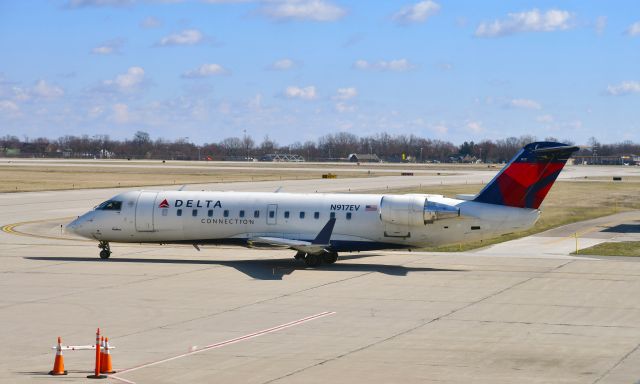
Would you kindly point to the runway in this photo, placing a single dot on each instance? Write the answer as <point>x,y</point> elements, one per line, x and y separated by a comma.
<point>498,315</point>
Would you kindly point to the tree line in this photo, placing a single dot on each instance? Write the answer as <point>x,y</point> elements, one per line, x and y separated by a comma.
<point>330,147</point>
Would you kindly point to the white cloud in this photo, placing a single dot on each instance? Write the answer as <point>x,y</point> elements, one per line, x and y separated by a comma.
<point>416,13</point>
<point>205,70</point>
<point>624,88</point>
<point>150,22</point>
<point>399,65</point>
<point>600,24</point>
<point>47,91</point>
<point>227,1</point>
<point>441,128</point>
<point>120,113</point>
<point>346,93</point>
<point>282,65</point>
<point>344,107</point>
<point>186,37</point>
<point>8,106</point>
<point>304,93</point>
<point>524,103</point>
<point>108,47</point>
<point>255,104</point>
<point>634,29</point>
<point>545,119</point>
<point>127,82</point>
<point>315,10</point>
<point>474,126</point>
<point>528,21</point>
<point>98,3</point>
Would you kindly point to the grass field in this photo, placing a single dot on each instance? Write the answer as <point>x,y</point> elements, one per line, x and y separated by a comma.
<point>567,202</point>
<point>16,178</point>
<point>624,248</point>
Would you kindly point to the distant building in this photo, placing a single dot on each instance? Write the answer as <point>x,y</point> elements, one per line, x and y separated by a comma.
<point>364,158</point>
<point>607,160</point>
<point>282,157</point>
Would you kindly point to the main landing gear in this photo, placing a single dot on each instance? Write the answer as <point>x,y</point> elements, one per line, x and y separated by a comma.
<point>315,260</point>
<point>105,249</point>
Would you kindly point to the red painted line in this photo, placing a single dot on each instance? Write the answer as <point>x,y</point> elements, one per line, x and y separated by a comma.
<point>223,344</point>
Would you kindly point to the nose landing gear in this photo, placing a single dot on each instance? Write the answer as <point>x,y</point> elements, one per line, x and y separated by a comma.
<point>105,249</point>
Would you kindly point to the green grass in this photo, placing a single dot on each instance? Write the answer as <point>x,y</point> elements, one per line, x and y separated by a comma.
<point>567,202</point>
<point>625,248</point>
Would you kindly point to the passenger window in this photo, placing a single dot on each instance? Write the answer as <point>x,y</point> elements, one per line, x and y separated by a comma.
<point>272,214</point>
<point>226,213</point>
<point>210,213</point>
<point>179,212</point>
<point>348,215</point>
<point>286,214</point>
<point>194,213</point>
<point>256,214</point>
<point>332,215</point>
<point>316,215</point>
<point>241,214</point>
<point>302,214</point>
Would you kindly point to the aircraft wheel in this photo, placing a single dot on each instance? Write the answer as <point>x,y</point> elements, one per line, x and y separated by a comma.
<point>312,260</point>
<point>104,254</point>
<point>330,258</point>
<point>299,255</point>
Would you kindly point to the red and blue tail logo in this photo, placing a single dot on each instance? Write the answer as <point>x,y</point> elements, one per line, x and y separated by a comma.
<point>525,181</point>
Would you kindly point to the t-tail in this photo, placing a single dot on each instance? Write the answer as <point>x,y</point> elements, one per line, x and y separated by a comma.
<point>525,181</point>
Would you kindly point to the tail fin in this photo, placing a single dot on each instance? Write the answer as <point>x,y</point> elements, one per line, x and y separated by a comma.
<point>525,181</point>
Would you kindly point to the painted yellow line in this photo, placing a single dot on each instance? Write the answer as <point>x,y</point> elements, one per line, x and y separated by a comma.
<point>585,231</point>
<point>11,229</point>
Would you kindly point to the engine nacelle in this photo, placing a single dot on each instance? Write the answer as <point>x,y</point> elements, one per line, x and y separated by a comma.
<point>402,209</point>
<point>414,210</point>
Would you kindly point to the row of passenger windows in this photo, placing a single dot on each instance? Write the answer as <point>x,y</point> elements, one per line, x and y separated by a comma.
<point>256,214</point>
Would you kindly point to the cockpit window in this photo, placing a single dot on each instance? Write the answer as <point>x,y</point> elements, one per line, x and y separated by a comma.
<point>110,205</point>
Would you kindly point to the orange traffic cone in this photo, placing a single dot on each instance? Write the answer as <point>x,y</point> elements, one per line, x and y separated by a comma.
<point>105,364</point>
<point>58,363</point>
<point>101,353</point>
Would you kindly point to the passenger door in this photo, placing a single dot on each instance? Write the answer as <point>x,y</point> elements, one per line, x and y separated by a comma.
<point>272,214</point>
<point>145,210</point>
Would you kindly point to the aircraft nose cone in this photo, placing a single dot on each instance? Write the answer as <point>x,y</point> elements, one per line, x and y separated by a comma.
<point>73,227</point>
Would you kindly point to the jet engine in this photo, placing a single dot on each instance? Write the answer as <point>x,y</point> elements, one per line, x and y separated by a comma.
<point>414,210</point>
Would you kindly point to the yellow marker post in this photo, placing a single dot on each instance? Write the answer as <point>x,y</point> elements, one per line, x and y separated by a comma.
<point>576,234</point>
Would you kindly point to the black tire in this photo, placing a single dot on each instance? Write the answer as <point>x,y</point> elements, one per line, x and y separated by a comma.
<point>312,260</point>
<point>299,255</point>
<point>104,254</point>
<point>330,258</point>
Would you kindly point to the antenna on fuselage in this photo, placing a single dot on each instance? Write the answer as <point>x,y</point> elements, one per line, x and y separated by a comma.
<point>278,189</point>
<point>183,187</point>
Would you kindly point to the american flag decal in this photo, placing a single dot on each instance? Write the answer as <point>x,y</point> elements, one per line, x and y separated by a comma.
<point>370,207</point>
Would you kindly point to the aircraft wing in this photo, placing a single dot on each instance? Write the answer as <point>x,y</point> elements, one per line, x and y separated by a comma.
<point>298,245</point>
<point>319,245</point>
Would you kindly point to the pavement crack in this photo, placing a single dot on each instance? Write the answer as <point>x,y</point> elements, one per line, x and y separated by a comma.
<point>424,324</point>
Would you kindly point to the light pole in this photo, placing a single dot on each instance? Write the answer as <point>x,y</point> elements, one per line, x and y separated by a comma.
<point>246,143</point>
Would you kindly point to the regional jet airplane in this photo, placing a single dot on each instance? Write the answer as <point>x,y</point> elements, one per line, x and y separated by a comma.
<point>318,226</point>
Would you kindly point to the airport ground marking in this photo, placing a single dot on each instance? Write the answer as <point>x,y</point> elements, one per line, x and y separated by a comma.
<point>11,229</point>
<point>224,344</point>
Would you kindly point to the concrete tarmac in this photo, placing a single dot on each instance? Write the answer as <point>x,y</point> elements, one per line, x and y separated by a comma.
<point>252,316</point>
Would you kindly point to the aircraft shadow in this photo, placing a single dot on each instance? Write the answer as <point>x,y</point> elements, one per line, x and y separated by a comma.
<point>624,228</point>
<point>264,269</point>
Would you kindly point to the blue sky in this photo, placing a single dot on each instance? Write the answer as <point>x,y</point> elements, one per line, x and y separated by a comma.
<point>297,69</point>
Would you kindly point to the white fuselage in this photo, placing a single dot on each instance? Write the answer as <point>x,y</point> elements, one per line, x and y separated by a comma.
<point>363,221</point>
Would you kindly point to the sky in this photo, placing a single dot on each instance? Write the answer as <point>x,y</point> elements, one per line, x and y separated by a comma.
<point>295,70</point>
